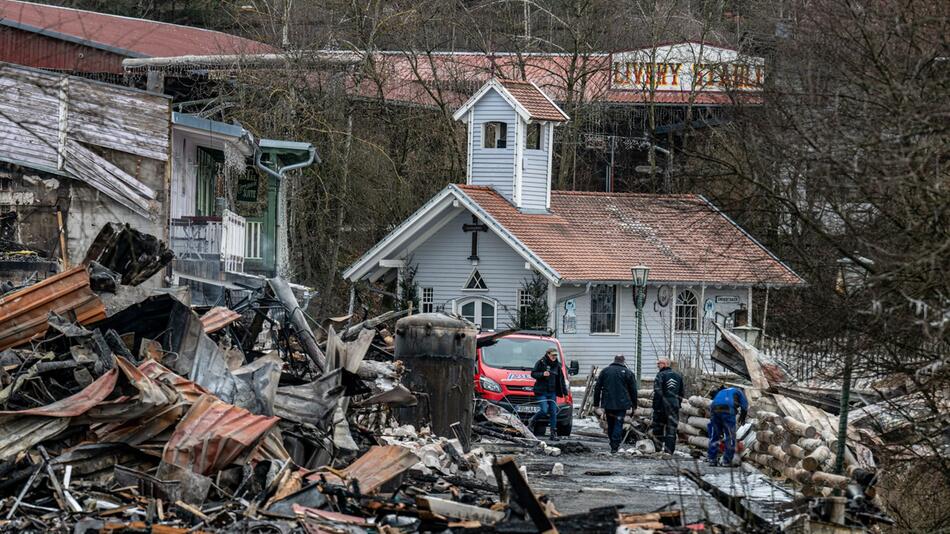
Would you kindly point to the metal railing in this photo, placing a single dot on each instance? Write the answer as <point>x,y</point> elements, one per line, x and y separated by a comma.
<point>210,239</point>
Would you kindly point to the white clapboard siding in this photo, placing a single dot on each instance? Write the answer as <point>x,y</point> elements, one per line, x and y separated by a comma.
<point>493,166</point>
<point>534,178</point>
<point>443,265</point>
<point>599,349</point>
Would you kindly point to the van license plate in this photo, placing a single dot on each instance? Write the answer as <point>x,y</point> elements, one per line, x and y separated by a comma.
<point>526,408</point>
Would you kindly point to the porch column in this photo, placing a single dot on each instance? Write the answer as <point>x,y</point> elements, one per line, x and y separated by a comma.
<point>672,321</point>
<point>749,306</point>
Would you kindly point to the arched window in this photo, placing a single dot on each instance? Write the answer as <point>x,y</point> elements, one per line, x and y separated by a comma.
<point>479,311</point>
<point>687,311</point>
<point>494,135</point>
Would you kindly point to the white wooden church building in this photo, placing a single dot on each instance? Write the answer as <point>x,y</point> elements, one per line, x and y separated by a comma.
<point>474,245</point>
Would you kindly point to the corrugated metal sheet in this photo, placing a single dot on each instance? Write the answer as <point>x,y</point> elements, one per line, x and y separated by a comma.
<point>217,318</point>
<point>23,313</point>
<point>312,403</point>
<point>134,419</point>
<point>376,467</point>
<point>77,404</point>
<point>213,434</point>
<point>22,429</point>
<point>189,391</point>
<point>41,51</point>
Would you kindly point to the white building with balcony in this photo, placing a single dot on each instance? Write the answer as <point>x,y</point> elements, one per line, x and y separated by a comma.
<point>226,205</point>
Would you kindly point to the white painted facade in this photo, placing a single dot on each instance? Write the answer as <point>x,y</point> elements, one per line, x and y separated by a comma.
<point>658,322</point>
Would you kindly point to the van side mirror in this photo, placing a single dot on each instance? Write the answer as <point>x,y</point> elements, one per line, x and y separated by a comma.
<point>574,368</point>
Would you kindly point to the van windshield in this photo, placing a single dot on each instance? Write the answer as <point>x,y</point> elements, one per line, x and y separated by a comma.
<point>515,353</point>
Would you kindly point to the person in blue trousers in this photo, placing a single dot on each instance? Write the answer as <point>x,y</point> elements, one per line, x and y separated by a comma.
<point>549,384</point>
<point>727,402</point>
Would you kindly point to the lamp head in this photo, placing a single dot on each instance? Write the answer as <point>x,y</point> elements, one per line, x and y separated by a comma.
<point>640,273</point>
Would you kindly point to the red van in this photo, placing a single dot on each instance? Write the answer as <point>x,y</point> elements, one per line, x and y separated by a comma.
<point>503,367</point>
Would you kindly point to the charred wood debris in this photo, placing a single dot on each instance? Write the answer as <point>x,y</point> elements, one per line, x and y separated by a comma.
<point>156,416</point>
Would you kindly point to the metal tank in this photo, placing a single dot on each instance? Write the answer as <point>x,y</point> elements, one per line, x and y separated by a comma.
<point>439,354</point>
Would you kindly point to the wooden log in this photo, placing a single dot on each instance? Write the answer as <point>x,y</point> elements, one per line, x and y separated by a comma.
<point>645,393</point>
<point>779,454</point>
<point>809,490</point>
<point>771,417</point>
<point>799,428</point>
<point>760,447</point>
<point>795,451</point>
<point>643,412</point>
<point>698,441</point>
<point>644,403</point>
<point>810,444</point>
<point>648,526</point>
<point>849,458</point>
<point>798,475</point>
<point>765,462</point>
<point>689,410</point>
<point>817,458</point>
<point>700,402</point>
<point>767,436</point>
<point>688,429</point>
<point>698,422</point>
<point>638,518</point>
<point>828,480</point>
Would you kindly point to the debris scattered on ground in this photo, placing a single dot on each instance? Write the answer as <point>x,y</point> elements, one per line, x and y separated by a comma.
<point>163,417</point>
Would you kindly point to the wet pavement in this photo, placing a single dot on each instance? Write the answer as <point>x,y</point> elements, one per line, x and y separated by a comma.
<point>644,483</point>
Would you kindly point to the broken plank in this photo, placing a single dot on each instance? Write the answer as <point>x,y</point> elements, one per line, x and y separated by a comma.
<point>526,496</point>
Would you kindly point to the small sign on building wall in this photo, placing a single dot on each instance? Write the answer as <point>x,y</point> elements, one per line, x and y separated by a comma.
<point>569,321</point>
<point>247,188</point>
<point>727,299</point>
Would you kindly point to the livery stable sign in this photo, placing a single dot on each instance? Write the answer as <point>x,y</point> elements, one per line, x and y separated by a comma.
<point>686,67</point>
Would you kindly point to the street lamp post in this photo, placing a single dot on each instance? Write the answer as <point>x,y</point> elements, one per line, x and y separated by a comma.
<point>639,273</point>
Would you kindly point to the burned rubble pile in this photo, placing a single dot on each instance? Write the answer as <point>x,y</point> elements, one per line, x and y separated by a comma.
<point>160,417</point>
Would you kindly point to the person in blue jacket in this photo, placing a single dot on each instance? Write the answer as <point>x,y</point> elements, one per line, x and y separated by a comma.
<point>722,425</point>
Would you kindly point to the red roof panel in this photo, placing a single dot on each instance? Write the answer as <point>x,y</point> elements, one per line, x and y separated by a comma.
<point>600,236</point>
<point>135,37</point>
<point>451,78</point>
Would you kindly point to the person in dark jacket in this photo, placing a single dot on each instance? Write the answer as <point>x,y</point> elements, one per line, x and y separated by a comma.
<point>668,392</point>
<point>616,392</point>
<point>727,402</point>
<point>548,386</point>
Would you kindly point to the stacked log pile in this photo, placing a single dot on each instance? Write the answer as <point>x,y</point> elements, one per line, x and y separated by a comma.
<point>797,451</point>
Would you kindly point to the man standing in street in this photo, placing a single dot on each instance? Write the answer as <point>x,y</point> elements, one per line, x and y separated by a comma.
<point>668,392</point>
<point>722,425</point>
<point>616,392</point>
<point>548,386</point>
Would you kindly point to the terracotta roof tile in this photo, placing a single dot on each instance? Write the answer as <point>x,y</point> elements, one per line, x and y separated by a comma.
<point>600,236</point>
<point>533,100</point>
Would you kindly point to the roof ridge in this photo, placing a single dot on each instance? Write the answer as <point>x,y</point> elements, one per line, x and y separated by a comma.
<point>625,194</point>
